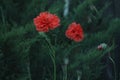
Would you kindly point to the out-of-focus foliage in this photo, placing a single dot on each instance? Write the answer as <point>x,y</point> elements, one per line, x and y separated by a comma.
<point>24,54</point>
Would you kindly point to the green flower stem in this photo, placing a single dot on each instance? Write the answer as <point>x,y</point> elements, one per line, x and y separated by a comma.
<point>113,66</point>
<point>65,68</point>
<point>51,55</point>
<point>49,43</point>
<point>2,13</point>
<point>54,65</point>
<point>65,72</point>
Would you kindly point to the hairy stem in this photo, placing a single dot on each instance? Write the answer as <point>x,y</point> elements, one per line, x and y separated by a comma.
<point>52,56</point>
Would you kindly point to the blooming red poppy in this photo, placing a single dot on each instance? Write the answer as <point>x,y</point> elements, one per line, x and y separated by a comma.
<point>75,32</point>
<point>46,21</point>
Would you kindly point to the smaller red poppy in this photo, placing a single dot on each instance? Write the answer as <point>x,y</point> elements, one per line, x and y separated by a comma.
<point>75,32</point>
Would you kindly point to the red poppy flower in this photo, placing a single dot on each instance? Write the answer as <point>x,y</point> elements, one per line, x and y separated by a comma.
<point>75,32</point>
<point>46,21</point>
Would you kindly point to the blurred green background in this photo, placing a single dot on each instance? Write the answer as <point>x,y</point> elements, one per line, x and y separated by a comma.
<point>24,54</point>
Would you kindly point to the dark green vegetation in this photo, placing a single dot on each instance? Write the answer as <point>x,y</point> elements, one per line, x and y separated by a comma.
<point>24,54</point>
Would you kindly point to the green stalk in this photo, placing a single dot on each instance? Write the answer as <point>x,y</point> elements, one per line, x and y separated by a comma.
<point>65,72</point>
<point>2,14</point>
<point>113,66</point>
<point>54,64</point>
<point>51,55</point>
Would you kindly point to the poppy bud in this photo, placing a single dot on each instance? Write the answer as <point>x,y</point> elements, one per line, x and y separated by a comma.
<point>102,46</point>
